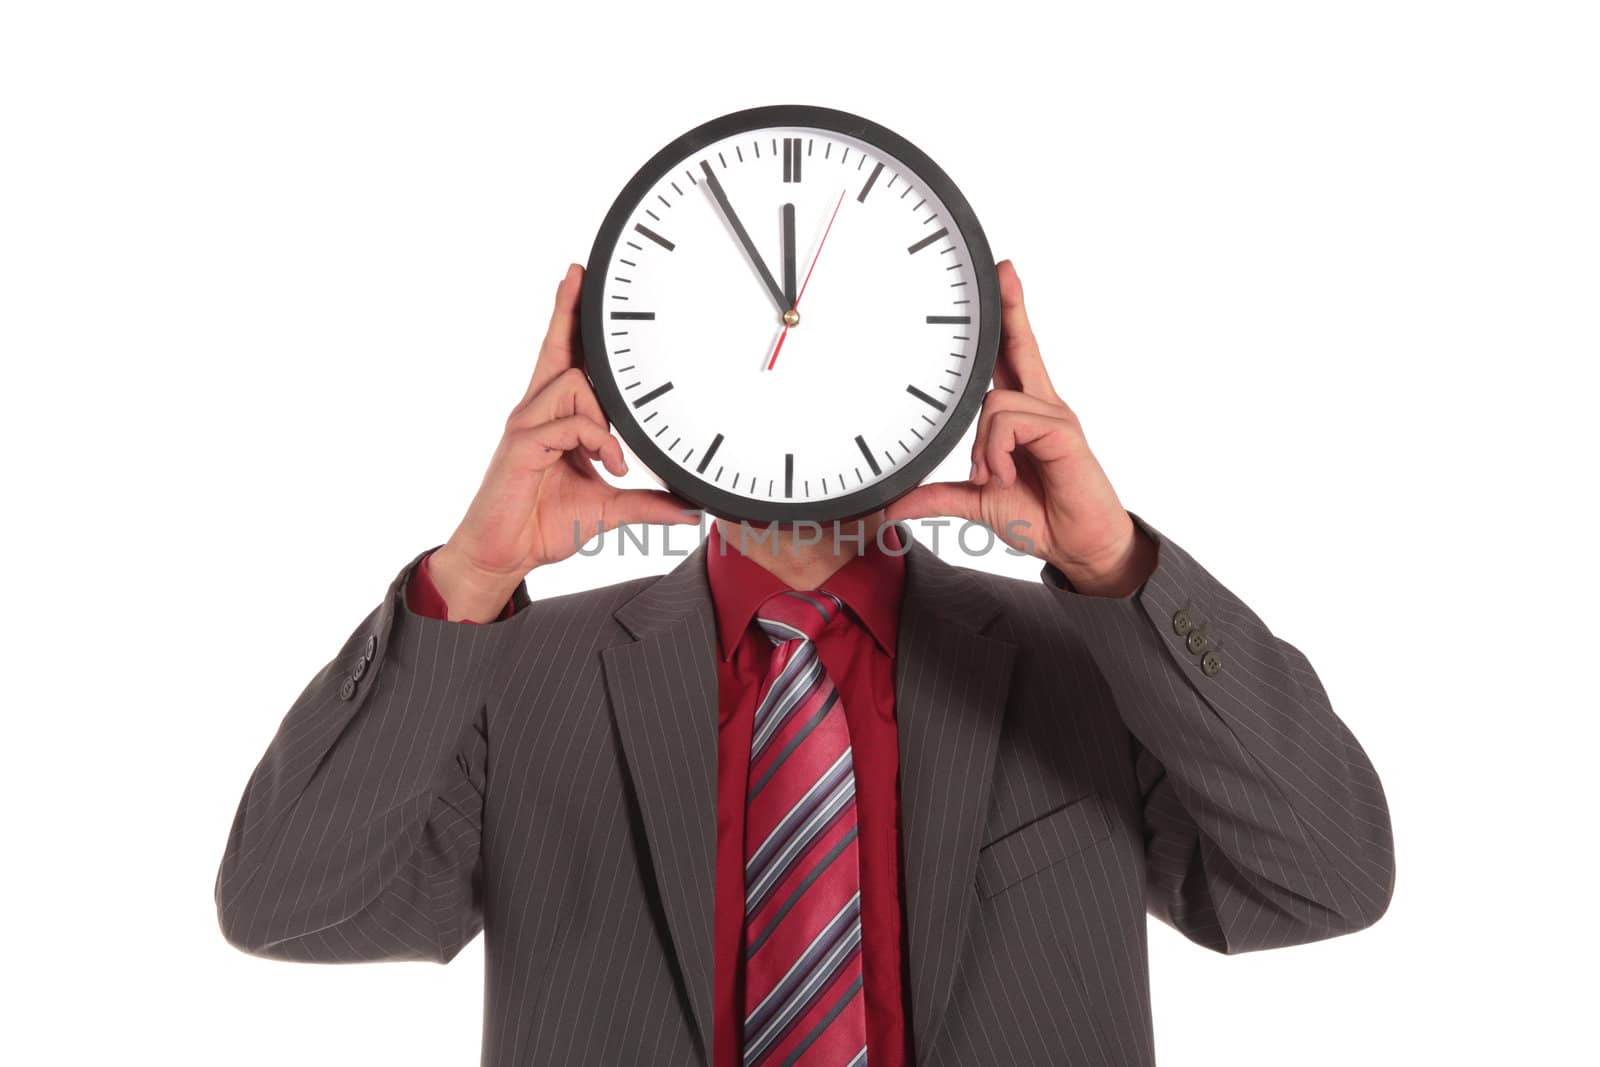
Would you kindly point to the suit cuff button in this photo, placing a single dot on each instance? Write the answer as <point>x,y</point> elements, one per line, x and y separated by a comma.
<point>1197,642</point>
<point>1181,622</point>
<point>1211,663</point>
<point>348,689</point>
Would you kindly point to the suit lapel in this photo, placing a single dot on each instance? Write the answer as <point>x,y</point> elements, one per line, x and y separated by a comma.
<point>663,690</point>
<point>951,684</point>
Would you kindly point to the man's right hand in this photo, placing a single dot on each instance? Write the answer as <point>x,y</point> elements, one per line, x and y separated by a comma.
<point>542,497</point>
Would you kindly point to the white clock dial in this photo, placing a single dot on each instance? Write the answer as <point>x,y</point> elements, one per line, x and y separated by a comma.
<point>753,409</point>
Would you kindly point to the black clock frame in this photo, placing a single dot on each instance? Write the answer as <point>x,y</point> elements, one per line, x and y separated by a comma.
<point>685,483</point>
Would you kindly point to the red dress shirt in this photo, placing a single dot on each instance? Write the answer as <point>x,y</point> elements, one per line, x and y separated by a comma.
<point>860,660</point>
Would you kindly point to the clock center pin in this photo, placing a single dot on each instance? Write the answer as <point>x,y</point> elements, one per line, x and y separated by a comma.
<point>791,317</point>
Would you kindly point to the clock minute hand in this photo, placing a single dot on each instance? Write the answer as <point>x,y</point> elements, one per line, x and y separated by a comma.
<point>744,238</point>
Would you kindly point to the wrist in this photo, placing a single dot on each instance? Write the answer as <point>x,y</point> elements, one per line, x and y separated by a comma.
<point>470,593</point>
<point>1118,572</point>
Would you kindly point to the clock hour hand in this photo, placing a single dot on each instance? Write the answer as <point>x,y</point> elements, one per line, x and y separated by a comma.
<point>744,238</point>
<point>790,298</point>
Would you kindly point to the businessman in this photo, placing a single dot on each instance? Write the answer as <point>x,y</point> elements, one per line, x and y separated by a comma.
<point>802,801</point>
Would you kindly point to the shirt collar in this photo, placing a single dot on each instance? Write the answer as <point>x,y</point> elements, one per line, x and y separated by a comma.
<point>870,584</point>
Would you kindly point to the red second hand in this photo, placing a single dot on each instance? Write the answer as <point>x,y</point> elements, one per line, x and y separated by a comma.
<point>818,255</point>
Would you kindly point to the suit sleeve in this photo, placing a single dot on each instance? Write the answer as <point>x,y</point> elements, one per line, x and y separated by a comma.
<point>357,835</point>
<point>1265,823</point>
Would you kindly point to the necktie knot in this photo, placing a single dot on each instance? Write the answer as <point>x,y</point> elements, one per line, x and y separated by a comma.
<point>791,615</point>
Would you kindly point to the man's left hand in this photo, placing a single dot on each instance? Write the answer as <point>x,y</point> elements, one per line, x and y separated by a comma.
<point>1034,481</point>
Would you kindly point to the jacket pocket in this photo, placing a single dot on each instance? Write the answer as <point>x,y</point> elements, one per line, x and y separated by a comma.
<point>1042,843</point>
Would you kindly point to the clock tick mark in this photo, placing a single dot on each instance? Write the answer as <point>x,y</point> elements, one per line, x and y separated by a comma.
<point>941,232</point>
<point>653,235</point>
<point>711,450</point>
<point>788,474</point>
<point>861,197</point>
<point>640,315</point>
<point>948,320</point>
<point>652,394</point>
<point>925,398</point>
<point>872,464</point>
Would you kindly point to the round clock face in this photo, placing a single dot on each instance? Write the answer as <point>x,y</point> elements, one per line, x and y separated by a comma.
<point>790,314</point>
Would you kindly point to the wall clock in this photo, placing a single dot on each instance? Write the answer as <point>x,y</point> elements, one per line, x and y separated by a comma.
<point>790,313</point>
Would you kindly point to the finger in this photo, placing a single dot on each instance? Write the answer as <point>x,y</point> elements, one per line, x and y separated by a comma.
<point>568,393</point>
<point>558,351</point>
<point>1021,365</point>
<point>648,506</point>
<point>994,402</point>
<point>959,500</point>
<point>564,435</point>
<point>1046,438</point>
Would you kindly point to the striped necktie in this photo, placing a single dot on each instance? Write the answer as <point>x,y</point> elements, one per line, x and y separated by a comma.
<point>804,1005</point>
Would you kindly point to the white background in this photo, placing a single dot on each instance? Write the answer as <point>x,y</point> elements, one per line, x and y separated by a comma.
<point>1320,279</point>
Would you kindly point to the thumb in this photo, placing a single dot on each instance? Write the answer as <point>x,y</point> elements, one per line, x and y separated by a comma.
<point>959,500</point>
<point>649,506</point>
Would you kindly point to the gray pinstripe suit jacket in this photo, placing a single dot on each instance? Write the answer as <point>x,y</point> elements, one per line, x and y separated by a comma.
<point>1066,767</point>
